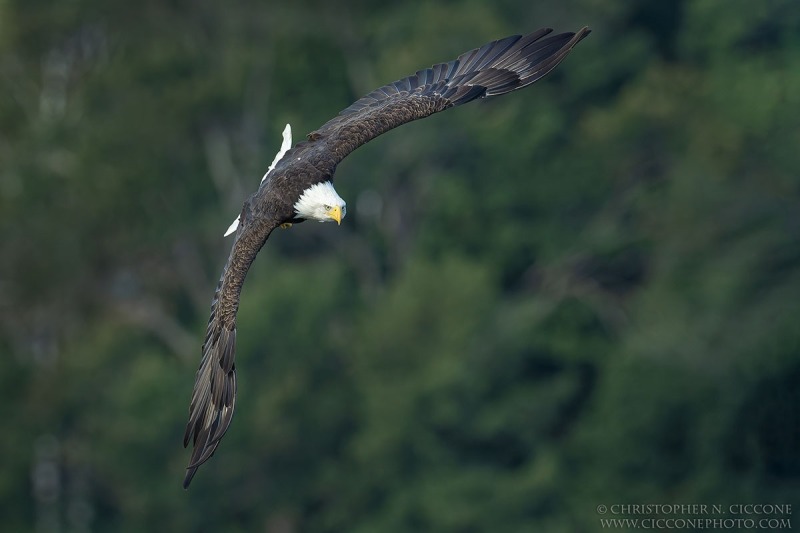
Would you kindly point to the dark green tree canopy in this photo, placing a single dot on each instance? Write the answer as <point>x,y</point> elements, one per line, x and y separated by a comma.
<point>585,294</point>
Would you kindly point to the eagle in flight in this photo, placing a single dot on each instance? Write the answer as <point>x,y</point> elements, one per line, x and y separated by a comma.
<point>299,186</point>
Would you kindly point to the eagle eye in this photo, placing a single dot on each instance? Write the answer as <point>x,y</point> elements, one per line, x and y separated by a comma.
<point>327,207</point>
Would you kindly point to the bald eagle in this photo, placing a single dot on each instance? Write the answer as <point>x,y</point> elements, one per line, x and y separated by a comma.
<point>299,186</point>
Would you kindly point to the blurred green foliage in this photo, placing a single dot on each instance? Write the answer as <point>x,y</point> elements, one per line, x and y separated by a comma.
<point>585,293</point>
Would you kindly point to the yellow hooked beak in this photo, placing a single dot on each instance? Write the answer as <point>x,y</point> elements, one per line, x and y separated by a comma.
<point>336,214</point>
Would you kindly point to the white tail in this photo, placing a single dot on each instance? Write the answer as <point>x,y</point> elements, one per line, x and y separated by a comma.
<point>285,145</point>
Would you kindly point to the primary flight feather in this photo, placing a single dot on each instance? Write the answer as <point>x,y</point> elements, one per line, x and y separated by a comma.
<point>299,186</point>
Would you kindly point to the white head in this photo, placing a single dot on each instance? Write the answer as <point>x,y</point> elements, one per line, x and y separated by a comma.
<point>321,202</point>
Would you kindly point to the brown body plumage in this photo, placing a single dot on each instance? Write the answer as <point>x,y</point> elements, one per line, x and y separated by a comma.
<point>497,68</point>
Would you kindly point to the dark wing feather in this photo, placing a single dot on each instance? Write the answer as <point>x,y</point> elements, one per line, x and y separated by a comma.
<point>214,394</point>
<point>496,68</point>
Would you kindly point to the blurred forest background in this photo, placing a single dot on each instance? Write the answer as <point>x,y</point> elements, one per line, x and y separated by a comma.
<point>585,292</point>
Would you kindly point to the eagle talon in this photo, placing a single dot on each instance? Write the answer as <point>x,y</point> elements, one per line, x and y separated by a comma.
<point>286,225</point>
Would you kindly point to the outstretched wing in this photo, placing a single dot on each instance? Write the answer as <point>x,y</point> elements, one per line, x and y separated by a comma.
<point>214,394</point>
<point>496,68</point>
